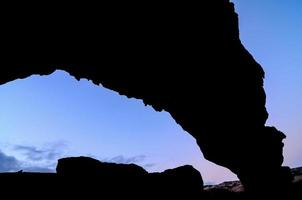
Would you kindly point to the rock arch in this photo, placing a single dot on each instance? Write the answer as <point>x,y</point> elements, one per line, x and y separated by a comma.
<point>185,59</point>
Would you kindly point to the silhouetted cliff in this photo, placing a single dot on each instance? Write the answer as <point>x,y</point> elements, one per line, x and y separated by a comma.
<point>184,58</point>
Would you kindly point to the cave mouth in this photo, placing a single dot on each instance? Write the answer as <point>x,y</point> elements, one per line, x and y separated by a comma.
<point>54,116</point>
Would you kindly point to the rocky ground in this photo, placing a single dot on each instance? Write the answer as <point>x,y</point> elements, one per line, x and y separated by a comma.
<point>235,188</point>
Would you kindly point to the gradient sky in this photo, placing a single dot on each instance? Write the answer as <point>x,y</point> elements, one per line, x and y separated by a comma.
<point>45,118</point>
<point>271,30</point>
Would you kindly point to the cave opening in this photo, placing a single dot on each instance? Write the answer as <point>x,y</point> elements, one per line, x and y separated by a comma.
<point>44,118</point>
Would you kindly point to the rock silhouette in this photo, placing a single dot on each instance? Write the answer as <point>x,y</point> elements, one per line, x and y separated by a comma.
<point>89,178</point>
<point>84,177</point>
<point>129,178</point>
<point>235,189</point>
<point>85,166</point>
<point>181,58</point>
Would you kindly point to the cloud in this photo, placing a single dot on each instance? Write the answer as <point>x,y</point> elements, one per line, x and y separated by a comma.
<point>12,164</point>
<point>129,160</point>
<point>40,159</point>
<point>45,159</point>
<point>8,163</point>
<point>33,159</point>
<point>39,169</point>
<point>149,165</point>
<point>34,154</point>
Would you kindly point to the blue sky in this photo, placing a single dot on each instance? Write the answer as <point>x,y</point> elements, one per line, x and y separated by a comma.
<point>60,116</point>
<point>45,118</point>
<point>271,30</point>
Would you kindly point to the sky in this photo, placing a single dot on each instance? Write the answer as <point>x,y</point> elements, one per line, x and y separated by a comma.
<point>271,30</point>
<point>46,118</point>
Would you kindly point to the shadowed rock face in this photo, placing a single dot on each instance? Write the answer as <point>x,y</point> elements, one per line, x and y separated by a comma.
<point>87,178</point>
<point>235,188</point>
<point>184,59</point>
<point>129,177</point>
<point>85,166</point>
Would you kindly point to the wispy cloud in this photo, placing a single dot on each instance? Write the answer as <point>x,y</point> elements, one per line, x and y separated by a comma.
<point>139,160</point>
<point>125,160</point>
<point>35,154</point>
<point>31,158</point>
<point>12,164</point>
<point>44,159</point>
<point>8,163</point>
<point>39,169</point>
<point>149,165</point>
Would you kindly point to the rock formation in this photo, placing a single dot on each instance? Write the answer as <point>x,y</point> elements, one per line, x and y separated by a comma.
<point>129,177</point>
<point>183,58</point>
<point>235,189</point>
<point>87,167</point>
<point>89,178</point>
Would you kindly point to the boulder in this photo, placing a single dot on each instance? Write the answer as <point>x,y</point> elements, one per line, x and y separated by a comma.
<point>89,167</point>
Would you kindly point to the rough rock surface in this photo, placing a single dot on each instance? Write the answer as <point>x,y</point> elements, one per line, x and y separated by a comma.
<point>297,172</point>
<point>229,186</point>
<point>183,58</point>
<point>236,189</point>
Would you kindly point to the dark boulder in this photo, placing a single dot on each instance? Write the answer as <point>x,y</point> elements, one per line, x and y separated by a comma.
<point>89,167</point>
<point>184,178</point>
<point>128,178</point>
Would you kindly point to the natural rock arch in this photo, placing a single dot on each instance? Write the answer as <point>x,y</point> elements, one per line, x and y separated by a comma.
<point>185,59</point>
